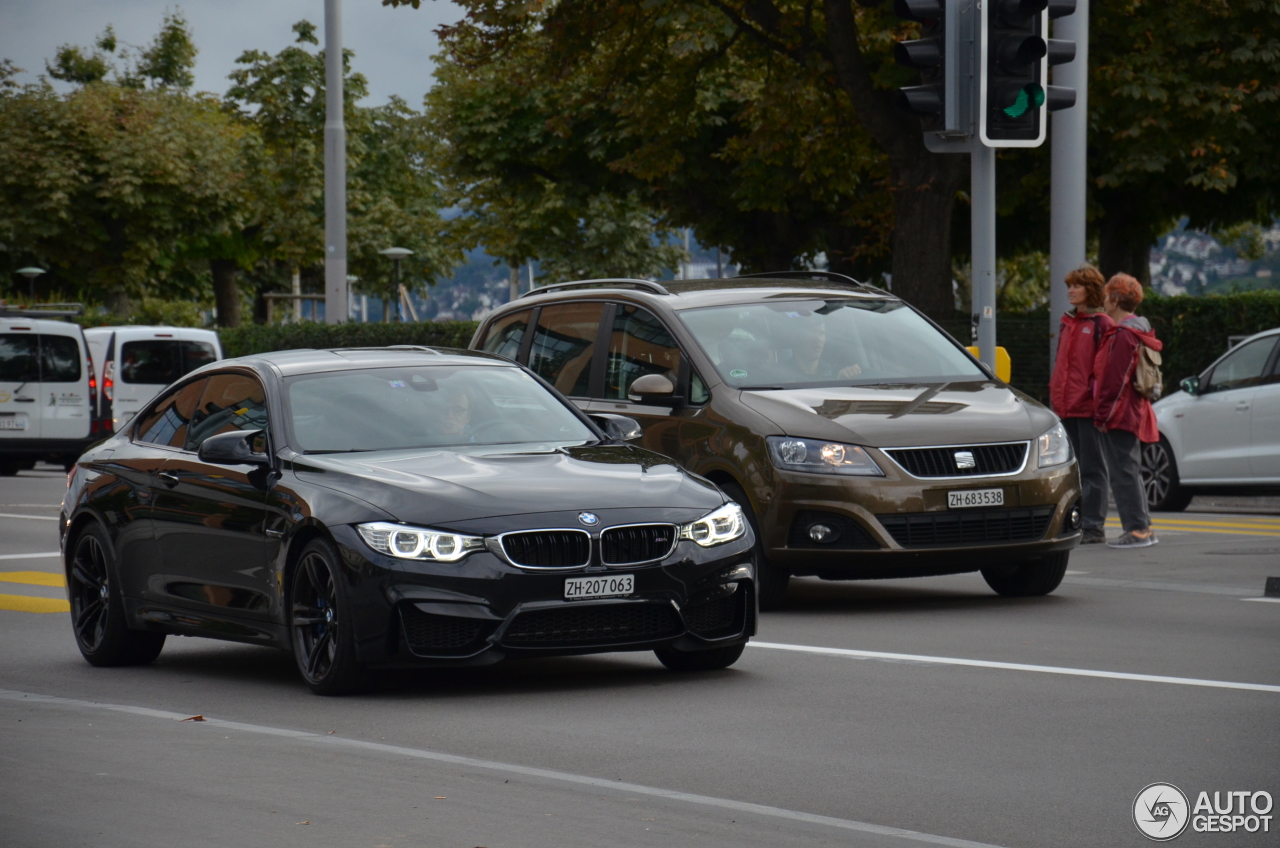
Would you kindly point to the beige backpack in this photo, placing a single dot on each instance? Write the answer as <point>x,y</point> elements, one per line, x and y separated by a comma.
<point>1147,380</point>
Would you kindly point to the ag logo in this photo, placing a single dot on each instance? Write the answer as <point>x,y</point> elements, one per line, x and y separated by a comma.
<point>1160,811</point>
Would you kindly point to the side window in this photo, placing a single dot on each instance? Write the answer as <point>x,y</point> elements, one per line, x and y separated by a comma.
<point>1243,368</point>
<point>59,359</point>
<point>229,402</point>
<point>19,358</point>
<point>639,345</point>
<point>564,344</point>
<point>168,420</point>
<point>698,393</point>
<point>507,334</point>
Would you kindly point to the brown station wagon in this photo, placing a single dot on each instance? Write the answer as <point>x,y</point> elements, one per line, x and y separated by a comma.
<point>860,438</point>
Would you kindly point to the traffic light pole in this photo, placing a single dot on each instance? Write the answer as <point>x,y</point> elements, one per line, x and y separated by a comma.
<point>335,171</point>
<point>982,281</point>
<point>1067,169</point>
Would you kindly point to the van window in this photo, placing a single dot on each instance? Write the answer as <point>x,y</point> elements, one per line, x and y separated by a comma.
<point>18,358</point>
<point>159,362</point>
<point>506,335</point>
<point>639,345</point>
<point>564,345</point>
<point>166,423</point>
<point>59,359</point>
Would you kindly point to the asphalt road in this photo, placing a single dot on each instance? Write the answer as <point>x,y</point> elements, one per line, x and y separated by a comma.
<point>890,713</point>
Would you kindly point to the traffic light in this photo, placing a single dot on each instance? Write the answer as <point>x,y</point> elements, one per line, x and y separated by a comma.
<point>934,99</point>
<point>1013,66</point>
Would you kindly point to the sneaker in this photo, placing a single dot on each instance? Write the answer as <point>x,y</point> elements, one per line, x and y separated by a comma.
<point>1128,540</point>
<point>1093,536</point>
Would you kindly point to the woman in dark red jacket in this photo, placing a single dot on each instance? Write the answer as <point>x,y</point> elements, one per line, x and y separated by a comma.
<point>1123,416</point>
<point>1071,391</point>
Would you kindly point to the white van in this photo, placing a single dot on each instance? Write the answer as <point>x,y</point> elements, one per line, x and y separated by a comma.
<point>48,392</point>
<point>136,363</point>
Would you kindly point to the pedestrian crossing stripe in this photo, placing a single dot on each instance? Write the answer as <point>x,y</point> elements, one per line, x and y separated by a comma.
<point>24,603</point>
<point>33,578</point>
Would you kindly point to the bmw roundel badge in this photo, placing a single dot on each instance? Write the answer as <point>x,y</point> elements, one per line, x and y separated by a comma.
<point>589,518</point>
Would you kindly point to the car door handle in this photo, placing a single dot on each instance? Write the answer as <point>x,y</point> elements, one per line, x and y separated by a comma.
<point>168,479</point>
<point>1242,407</point>
<point>24,400</point>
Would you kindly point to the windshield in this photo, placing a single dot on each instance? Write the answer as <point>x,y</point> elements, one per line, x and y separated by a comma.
<point>427,407</point>
<point>798,343</point>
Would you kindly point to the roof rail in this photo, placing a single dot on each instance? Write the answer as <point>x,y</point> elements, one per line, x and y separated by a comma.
<point>604,283</point>
<point>42,310</point>
<point>829,276</point>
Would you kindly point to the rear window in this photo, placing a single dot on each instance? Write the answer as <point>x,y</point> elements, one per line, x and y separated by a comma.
<point>29,358</point>
<point>159,362</point>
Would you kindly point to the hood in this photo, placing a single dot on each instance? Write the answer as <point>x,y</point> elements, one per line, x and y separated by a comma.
<point>904,415</point>
<point>437,486</point>
<point>1142,327</point>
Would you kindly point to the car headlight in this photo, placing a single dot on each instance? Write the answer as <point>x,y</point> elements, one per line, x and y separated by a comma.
<point>399,540</point>
<point>819,457</point>
<point>715,528</point>
<point>1054,447</point>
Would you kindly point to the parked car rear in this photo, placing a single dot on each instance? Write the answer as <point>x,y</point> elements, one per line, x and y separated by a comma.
<point>136,363</point>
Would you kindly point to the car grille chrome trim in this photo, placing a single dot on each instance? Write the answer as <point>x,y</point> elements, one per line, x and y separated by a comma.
<point>550,549</point>
<point>636,544</point>
<point>938,462</point>
<point>968,527</point>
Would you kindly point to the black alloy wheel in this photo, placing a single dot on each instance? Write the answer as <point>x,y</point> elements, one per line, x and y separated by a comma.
<point>97,615</point>
<point>712,659</point>
<point>323,645</point>
<point>1028,579</point>
<point>771,578</point>
<point>1160,478</point>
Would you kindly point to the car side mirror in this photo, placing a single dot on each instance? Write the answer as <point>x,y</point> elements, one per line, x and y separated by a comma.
<point>619,428</point>
<point>654,389</point>
<point>1190,385</point>
<point>234,448</point>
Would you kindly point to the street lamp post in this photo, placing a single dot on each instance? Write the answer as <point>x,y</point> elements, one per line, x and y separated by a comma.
<point>395,254</point>
<point>31,274</point>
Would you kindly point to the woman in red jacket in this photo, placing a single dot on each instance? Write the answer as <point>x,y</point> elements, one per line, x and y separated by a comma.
<point>1123,416</point>
<point>1071,391</point>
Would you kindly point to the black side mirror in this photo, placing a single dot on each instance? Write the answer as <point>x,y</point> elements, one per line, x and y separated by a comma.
<point>234,448</point>
<point>619,428</point>
<point>653,389</point>
<point>1190,385</point>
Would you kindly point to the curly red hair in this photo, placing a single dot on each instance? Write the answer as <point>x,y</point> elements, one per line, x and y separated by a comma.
<point>1090,279</point>
<point>1125,291</point>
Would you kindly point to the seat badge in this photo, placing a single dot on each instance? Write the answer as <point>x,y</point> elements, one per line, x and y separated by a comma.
<point>964,459</point>
<point>589,518</point>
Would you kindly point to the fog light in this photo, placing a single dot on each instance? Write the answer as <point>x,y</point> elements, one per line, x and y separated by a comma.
<point>1073,517</point>
<point>821,533</point>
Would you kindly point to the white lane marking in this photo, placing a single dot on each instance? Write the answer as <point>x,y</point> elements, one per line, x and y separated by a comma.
<point>32,517</point>
<point>1158,585</point>
<point>510,768</point>
<point>1263,600</point>
<point>45,506</point>
<point>1043,669</point>
<point>30,556</point>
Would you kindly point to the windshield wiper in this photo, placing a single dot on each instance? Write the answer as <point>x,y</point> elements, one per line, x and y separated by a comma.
<point>761,388</point>
<point>338,450</point>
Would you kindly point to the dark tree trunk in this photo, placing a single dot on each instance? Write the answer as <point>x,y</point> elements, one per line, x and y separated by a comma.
<point>226,294</point>
<point>1125,237</point>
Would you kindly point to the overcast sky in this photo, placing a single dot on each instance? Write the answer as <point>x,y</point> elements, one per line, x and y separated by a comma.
<point>393,47</point>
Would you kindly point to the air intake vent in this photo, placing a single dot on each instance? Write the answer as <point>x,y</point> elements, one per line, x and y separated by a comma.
<point>596,624</point>
<point>435,635</point>
<point>548,548</point>
<point>970,527</point>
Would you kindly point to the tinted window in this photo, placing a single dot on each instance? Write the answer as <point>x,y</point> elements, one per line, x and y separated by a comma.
<point>229,402</point>
<point>564,344</point>
<point>168,420</point>
<point>18,357</point>
<point>159,362</point>
<point>1243,367</point>
<point>428,407</point>
<point>506,335</point>
<point>59,359</point>
<point>638,345</point>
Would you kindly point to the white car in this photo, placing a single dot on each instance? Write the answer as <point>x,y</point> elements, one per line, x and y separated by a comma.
<point>1221,432</point>
<point>136,363</point>
<point>47,392</point>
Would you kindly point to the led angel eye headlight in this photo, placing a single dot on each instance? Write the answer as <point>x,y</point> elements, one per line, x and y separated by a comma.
<point>418,543</point>
<point>715,528</point>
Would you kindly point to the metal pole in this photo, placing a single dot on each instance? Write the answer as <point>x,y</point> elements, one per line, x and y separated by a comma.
<point>983,274</point>
<point>335,170</point>
<point>395,263</point>
<point>1068,142</point>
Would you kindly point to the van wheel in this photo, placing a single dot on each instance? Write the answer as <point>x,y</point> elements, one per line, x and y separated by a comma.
<point>771,578</point>
<point>1029,578</point>
<point>97,614</point>
<point>1160,478</point>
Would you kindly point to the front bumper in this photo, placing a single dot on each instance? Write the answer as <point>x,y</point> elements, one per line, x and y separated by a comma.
<point>901,526</point>
<point>482,610</point>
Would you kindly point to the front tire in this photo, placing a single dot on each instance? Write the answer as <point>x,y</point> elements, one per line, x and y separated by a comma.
<point>771,578</point>
<point>1160,478</point>
<point>320,623</point>
<point>1029,578</point>
<point>713,659</point>
<point>97,614</point>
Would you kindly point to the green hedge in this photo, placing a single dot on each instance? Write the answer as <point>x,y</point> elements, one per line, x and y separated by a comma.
<point>260,338</point>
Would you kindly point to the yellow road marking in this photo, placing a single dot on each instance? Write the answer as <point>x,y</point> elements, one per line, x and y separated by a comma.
<point>1254,525</point>
<point>1207,528</point>
<point>33,578</point>
<point>22,603</point>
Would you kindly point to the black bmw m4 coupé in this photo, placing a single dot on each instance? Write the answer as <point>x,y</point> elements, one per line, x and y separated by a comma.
<point>396,507</point>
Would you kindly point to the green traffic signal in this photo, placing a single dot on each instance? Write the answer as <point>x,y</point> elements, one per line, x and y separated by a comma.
<point>1029,96</point>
